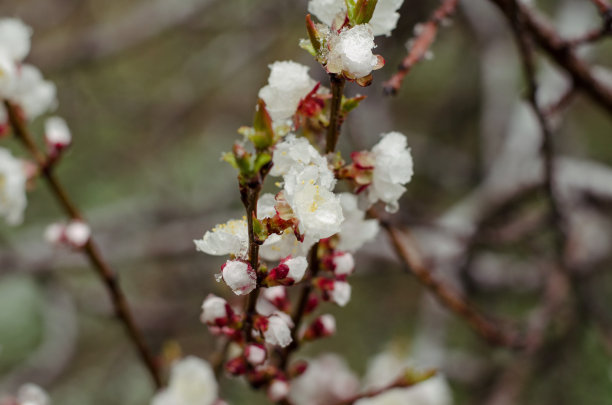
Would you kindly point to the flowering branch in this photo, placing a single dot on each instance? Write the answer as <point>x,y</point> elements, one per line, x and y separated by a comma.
<point>425,36</point>
<point>120,304</point>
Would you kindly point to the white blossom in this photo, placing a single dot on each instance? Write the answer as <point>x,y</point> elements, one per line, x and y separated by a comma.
<point>12,188</point>
<point>327,380</point>
<point>278,332</point>
<point>231,238</point>
<point>8,73</point>
<point>350,52</point>
<point>57,133</point>
<point>272,294</point>
<point>288,83</point>
<point>355,230</point>
<point>393,168</point>
<point>297,267</point>
<point>385,17</point>
<point>32,92</point>
<point>14,38</point>
<point>213,308</point>
<point>294,155</point>
<point>31,394</point>
<point>278,390</point>
<point>286,244</point>
<point>192,382</point>
<point>341,294</point>
<point>77,233</point>
<point>344,264</point>
<point>239,276</point>
<point>327,10</point>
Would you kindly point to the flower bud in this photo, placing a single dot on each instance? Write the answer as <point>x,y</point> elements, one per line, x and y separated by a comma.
<point>277,332</point>
<point>216,311</point>
<point>341,293</point>
<point>54,233</point>
<point>323,326</point>
<point>239,276</point>
<point>277,390</point>
<point>277,296</point>
<point>57,135</point>
<point>289,271</point>
<point>255,354</point>
<point>343,264</point>
<point>77,233</point>
<point>236,366</point>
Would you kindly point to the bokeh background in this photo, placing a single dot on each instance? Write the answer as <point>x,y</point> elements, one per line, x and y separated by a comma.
<point>154,91</point>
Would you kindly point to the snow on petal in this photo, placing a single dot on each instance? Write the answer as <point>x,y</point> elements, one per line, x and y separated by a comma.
<point>231,238</point>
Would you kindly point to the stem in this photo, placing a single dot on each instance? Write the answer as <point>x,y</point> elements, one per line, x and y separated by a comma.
<point>119,302</point>
<point>335,117</point>
<point>250,195</point>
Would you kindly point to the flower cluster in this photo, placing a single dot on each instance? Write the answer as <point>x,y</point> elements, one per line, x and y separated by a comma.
<point>306,233</point>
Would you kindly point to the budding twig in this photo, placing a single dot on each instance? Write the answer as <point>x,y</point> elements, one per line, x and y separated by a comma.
<point>90,249</point>
<point>335,117</point>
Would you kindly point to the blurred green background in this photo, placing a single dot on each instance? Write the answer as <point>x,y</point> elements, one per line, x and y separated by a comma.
<point>154,92</point>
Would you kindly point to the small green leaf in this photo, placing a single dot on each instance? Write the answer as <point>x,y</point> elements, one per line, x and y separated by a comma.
<point>261,160</point>
<point>259,229</point>
<point>313,34</point>
<point>349,104</point>
<point>262,124</point>
<point>230,158</point>
<point>364,9</point>
<point>351,10</point>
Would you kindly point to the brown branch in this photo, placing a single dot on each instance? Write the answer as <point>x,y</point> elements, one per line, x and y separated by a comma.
<point>560,51</point>
<point>409,253</point>
<point>424,39</point>
<point>119,302</point>
<point>335,116</point>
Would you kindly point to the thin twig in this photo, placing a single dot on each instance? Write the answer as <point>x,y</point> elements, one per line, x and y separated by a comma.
<point>90,249</point>
<point>425,37</point>
<point>408,252</point>
<point>335,117</point>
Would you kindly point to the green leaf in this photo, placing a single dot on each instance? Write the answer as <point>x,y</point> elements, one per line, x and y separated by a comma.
<point>262,123</point>
<point>259,229</point>
<point>351,10</point>
<point>349,104</point>
<point>364,9</point>
<point>313,34</point>
<point>230,158</point>
<point>261,160</point>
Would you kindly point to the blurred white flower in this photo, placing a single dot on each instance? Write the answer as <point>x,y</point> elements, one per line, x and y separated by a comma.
<point>387,367</point>
<point>350,52</point>
<point>393,168</point>
<point>214,310</point>
<point>344,264</point>
<point>327,10</point>
<point>327,380</point>
<point>255,354</point>
<point>297,267</point>
<point>12,188</point>
<point>288,83</point>
<point>278,332</point>
<point>31,394</point>
<point>239,276</point>
<point>385,17</point>
<point>77,233</point>
<point>14,38</point>
<point>355,231</point>
<point>32,92</point>
<point>278,390</point>
<point>341,293</point>
<point>231,238</point>
<point>192,382</point>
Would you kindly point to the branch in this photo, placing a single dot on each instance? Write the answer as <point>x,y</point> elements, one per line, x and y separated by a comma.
<point>425,37</point>
<point>560,51</point>
<point>335,117</point>
<point>119,302</point>
<point>408,252</point>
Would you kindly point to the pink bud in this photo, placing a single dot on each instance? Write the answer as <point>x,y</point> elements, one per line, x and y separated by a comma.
<point>323,326</point>
<point>236,366</point>
<point>239,276</point>
<point>277,390</point>
<point>289,271</point>
<point>277,296</point>
<point>341,293</point>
